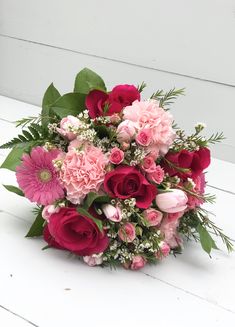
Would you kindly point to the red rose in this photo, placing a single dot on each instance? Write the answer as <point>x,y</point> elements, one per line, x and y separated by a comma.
<point>124,95</point>
<point>194,161</point>
<point>76,233</point>
<point>127,182</point>
<point>49,239</point>
<point>120,97</point>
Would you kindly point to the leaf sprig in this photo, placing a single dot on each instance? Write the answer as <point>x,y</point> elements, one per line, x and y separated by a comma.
<point>166,99</point>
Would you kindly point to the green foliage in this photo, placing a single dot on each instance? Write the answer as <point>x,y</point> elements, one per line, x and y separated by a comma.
<point>37,227</point>
<point>93,197</point>
<point>50,97</point>
<point>35,135</point>
<point>69,104</point>
<point>166,99</point>
<point>206,240</point>
<point>13,159</point>
<point>85,213</point>
<point>141,87</point>
<point>14,189</point>
<point>28,120</point>
<point>87,80</point>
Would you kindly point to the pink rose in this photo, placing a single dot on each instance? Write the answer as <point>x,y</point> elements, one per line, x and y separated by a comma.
<point>49,210</point>
<point>112,213</point>
<point>157,175</point>
<point>127,233</point>
<point>144,137</point>
<point>148,164</point>
<point>164,250</point>
<point>93,260</point>
<point>173,201</point>
<point>138,262</point>
<point>152,216</point>
<point>125,132</point>
<point>116,156</point>
<point>169,230</point>
<point>68,126</point>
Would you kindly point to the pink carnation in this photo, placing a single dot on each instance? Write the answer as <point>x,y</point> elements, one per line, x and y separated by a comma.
<point>148,115</point>
<point>83,172</point>
<point>37,176</point>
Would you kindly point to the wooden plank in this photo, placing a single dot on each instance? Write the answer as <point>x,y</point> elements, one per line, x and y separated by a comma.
<point>191,38</point>
<point>200,104</point>
<point>59,289</point>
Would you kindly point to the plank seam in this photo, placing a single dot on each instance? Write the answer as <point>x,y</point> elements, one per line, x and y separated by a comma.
<point>19,316</point>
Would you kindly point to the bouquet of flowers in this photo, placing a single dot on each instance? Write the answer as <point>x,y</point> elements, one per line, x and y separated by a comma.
<point>115,181</point>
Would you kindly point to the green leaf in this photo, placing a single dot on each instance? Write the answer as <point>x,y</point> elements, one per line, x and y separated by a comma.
<point>50,96</point>
<point>13,159</point>
<point>13,189</point>
<point>37,227</point>
<point>94,197</point>
<point>87,80</point>
<point>85,213</point>
<point>206,240</point>
<point>69,104</point>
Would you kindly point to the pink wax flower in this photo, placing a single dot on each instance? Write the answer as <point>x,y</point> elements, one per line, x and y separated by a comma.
<point>152,216</point>
<point>173,201</point>
<point>93,260</point>
<point>67,125</point>
<point>144,137</point>
<point>164,250</point>
<point>148,164</point>
<point>138,262</point>
<point>148,115</point>
<point>125,132</point>
<point>127,233</point>
<point>112,213</point>
<point>83,172</point>
<point>38,178</point>
<point>48,211</point>
<point>116,156</point>
<point>157,175</point>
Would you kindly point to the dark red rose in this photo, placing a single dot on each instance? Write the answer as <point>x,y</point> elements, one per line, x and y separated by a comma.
<point>77,233</point>
<point>95,103</point>
<point>194,161</point>
<point>49,239</point>
<point>120,97</point>
<point>127,182</point>
<point>124,95</point>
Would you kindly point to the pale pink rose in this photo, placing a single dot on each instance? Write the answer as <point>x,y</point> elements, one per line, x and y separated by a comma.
<point>164,250</point>
<point>127,233</point>
<point>93,260</point>
<point>67,125</point>
<point>112,213</point>
<point>173,201</point>
<point>125,146</point>
<point>152,216</point>
<point>148,115</point>
<point>175,216</point>
<point>144,137</point>
<point>125,132</point>
<point>138,262</point>
<point>115,118</point>
<point>76,144</point>
<point>169,230</point>
<point>157,175</point>
<point>116,156</point>
<point>83,172</point>
<point>48,211</point>
<point>148,164</point>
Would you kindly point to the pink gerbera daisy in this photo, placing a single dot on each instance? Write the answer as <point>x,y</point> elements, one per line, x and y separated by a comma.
<point>37,176</point>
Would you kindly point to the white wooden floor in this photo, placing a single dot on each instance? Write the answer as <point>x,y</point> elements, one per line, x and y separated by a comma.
<point>49,288</point>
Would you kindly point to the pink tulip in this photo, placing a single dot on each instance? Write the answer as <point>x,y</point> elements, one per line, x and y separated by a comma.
<point>173,201</point>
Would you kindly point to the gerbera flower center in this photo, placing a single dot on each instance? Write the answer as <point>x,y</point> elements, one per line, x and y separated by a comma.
<point>45,175</point>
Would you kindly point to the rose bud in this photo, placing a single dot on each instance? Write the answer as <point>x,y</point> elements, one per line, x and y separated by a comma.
<point>93,260</point>
<point>127,233</point>
<point>116,156</point>
<point>138,262</point>
<point>173,201</point>
<point>125,131</point>
<point>144,137</point>
<point>164,250</point>
<point>112,213</point>
<point>48,211</point>
<point>152,216</point>
<point>148,164</point>
<point>157,175</point>
<point>66,126</point>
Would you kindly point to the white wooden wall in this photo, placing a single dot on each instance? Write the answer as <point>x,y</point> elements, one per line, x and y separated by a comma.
<point>166,43</point>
